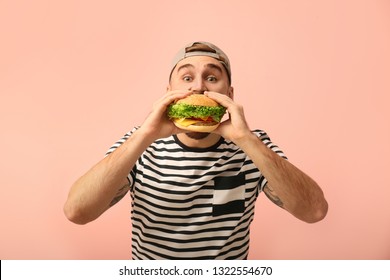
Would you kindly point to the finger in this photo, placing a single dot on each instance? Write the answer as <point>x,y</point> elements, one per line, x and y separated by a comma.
<point>221,129</point>
<point>172,96</point>
<point>222,99</point>
<point>178,93</point>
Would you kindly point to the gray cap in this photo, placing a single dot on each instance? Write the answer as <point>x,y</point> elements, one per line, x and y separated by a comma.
<point>203,49</point>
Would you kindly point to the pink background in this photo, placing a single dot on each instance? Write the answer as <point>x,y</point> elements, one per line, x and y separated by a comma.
<point>76,75</point>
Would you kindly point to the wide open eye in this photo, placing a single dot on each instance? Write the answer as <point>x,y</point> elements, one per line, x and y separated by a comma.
<point>187,78</point>
<point>211,78</point>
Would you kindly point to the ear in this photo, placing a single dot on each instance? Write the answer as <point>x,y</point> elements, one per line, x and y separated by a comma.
<point>168,88</point>
<point>231,93</point>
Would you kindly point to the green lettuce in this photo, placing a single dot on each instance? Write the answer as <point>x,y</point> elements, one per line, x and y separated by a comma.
<point>194,111</point>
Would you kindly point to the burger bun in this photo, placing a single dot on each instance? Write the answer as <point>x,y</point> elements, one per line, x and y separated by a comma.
<point>197,128</point>
<point>199,100</point>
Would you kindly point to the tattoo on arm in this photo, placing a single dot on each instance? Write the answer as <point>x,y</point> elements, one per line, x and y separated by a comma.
<point>270,193</point>
<point>120,194</point>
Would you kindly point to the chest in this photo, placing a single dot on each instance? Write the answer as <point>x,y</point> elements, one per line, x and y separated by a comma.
<point>214,183</point>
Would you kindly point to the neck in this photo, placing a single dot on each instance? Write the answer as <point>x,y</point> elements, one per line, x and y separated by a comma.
<point>208,141</point>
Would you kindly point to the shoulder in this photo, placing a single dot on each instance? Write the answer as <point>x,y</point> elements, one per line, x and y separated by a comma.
<point>261,134</point>
<point>121,141</point>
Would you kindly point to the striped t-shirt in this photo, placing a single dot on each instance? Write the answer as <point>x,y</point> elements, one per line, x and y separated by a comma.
<point>193,203</point>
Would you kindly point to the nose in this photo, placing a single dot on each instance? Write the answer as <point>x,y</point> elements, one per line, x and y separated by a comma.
<point>198,86</point>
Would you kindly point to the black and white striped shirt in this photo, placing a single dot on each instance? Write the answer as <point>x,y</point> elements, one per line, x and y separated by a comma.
<point>193,203</point>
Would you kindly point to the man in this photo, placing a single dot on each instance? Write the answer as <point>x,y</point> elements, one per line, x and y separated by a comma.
<point>193,194</point>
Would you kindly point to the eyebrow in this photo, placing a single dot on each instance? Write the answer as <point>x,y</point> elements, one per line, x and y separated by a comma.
<point>209,65</point>
<point>185,66</point>
<point>215,66</point>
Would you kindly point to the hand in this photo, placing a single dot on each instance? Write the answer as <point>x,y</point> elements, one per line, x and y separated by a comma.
<point>157,124</point>
<point>235,127</point>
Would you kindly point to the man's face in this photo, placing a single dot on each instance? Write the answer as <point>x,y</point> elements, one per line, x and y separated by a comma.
<point>199,74</point>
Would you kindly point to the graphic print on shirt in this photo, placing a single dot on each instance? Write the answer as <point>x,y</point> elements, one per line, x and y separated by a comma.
<point>229,195</point>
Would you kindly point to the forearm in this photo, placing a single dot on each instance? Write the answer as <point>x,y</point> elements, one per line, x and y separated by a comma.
<point>96,190</point>
<point>289,187</point>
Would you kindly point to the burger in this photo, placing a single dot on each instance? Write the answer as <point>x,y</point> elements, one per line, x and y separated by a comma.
<point>196,112</point>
